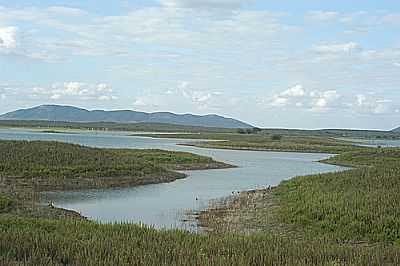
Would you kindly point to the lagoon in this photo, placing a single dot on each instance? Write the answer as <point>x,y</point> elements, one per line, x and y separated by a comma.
<point>166,205</point>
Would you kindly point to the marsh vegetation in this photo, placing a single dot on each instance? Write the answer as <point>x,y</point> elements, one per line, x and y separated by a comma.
<point>357,207</point>
<point>265,142</point>
<point>55,165</point>
<point>345,218</point>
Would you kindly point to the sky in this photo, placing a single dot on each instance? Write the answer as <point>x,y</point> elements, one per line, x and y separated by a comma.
<point>289,63</point>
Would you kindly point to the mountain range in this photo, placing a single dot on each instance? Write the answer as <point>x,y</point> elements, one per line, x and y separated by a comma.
<point>75,114</point>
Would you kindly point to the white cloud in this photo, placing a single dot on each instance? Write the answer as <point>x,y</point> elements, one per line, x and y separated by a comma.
<point>66,11</point>
<point>230,4</point>
<point>3,95</point>
<point>75,90</point>
<point>337,48</point>
<point>124,35</point>
<point>279,102</point>
<point>284,98</point>
<point>296,91</point>
<point>298,97</point>
<point>361,99</point>
<point>140,102</point>
<point>8,39</point>
<point>322,15</point>
<point>392,18</point>
<point>107,97</point>
<point>102,87</point>
<point>371,104</point>
<point>182,98</point>
<point>324,100</point>
<point>201,99</point>
<point>11,43</point>
<point>358,21</point>
<point>327,100</point>
<point>55,96</point>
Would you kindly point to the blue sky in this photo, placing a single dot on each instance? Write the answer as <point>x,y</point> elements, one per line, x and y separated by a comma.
<point>289,63</point>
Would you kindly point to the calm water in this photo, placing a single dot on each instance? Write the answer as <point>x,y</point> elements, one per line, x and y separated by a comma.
<point>382,143</point>
<point>165,205</point>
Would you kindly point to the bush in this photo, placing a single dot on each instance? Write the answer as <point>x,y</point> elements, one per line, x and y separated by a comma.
<point>276,137</point>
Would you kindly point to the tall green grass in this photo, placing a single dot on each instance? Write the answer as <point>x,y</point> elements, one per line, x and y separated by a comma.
<point>361,204</point>
<point>267,142</point>
<point>69,242</point>
<point>54,165</point>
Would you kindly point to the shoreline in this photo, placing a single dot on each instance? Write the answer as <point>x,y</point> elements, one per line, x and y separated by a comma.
<point>260,210</point>
<point>116,184</point>
<point>111,168</point>
<point>126,182</point>
<point>222,215</point>
<point>233,214</point>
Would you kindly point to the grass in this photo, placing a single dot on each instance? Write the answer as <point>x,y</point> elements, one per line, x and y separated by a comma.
<point>265,142</point>
<point>346,218</point>
<point>356,206</point>
<point>108,126</point>
<point>53,165</point>
<point>6,203</point>
<point>25,241</point>
<point>360,204</point>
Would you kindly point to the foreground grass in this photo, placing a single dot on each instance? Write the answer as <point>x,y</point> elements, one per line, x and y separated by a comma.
<point>70,242</point>
<point>360,204</point>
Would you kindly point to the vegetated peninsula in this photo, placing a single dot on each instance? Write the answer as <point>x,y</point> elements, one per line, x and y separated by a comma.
<point>74,114</point>
<point>48,166</point>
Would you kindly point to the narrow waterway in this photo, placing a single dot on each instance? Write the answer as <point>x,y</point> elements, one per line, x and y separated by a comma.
<point>165,205</point>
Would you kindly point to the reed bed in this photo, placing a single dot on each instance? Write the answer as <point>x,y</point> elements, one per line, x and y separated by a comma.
<point>361,204</point>
<point>46,165</point>
<point>70,242</point>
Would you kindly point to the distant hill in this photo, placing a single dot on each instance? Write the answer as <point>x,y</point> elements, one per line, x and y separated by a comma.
<point>396,130</point>
<point>74,114</point>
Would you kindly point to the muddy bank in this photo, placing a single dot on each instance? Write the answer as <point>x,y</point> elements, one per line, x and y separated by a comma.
<point>243,212</point>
